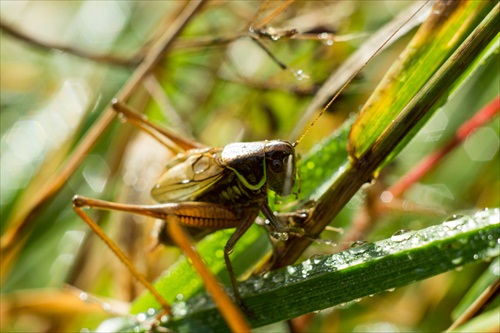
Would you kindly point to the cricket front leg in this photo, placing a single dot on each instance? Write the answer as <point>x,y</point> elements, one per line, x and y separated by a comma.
<point>281,232</point>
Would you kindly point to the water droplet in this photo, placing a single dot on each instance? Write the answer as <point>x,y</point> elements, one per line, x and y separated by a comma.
<point>316,258</point>
<point>328,42</point>
<point>454,217</point>
<point>282,236</point>
<point>454,223</point>
<point>151,311</point>
<point>83,296</point>
<point>457,261</point>
<point>257,284</point>
<point>141,317</point>
<point>180,309</point>
<point>306,267</point>
<point>164,318</point>
<point>329,242</point>
<point>291,270</point>
<point>278,278</point>
<point>179,297</point>
<point>391,290</point>
<point>357,300</point>
<point>203,300</point>
<point>326,38</point>
<point>357,244</point>
<point>402,235</point>
<point>359,247</point>
<point>300,75</point>
<point>123,118</point>
<point>330,262</point>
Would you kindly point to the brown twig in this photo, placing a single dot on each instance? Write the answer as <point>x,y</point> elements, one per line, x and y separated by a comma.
<point>374,208</point>
<point>488,294</point>
<point>20,222</point>
<point>46,45</point>
<point>277,11</point>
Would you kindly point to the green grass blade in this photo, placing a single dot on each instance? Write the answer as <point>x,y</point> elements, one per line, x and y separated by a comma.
<point>399,130</point>
<point>442,33</point>
<point>326,281</point>
<point>486,322</point>
<point>181,281</point>
<point>487,279</point>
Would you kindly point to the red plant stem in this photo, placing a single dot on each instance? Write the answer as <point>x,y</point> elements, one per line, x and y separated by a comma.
<point>479,119</point>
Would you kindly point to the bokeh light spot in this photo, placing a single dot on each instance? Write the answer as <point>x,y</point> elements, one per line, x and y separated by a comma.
<point>96,172</point>
<point>482,145</point>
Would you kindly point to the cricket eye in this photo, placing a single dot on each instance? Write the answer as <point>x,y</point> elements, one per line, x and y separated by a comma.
<point>277,165</point>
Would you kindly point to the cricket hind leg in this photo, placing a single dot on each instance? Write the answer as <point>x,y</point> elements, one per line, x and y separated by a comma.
<point>78,204</point>
<point>175,215</point>
<point>170,140</point>
<point>247,222</point>
<point>229,311</point>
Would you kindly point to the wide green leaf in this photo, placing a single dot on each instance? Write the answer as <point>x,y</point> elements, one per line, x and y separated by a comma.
<point>325,281</point>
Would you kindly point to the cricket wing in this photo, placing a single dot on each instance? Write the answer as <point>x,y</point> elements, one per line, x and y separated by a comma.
<point>189,175</point>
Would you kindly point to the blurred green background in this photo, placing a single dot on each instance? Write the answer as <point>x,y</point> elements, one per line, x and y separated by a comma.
<point>218,92</point>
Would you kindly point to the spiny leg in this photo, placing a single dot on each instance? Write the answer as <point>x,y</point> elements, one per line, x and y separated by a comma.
<point>229,311</point>
<point>78,203</point>
<point>281,232</point>
<point>178,214</point>
<point>228,249</point>
<point>172,141</point>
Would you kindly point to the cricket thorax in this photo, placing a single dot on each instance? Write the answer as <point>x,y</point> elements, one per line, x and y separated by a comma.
<point>270,163</point>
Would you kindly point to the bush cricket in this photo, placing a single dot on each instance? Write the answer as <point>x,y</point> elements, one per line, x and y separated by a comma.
<point>206,189</point>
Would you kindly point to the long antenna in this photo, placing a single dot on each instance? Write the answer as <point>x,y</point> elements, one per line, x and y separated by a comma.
<point>308,128</point>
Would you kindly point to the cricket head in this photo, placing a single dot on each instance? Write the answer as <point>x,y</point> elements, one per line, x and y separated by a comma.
<point>280,166</point>
<point>260,163</point>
